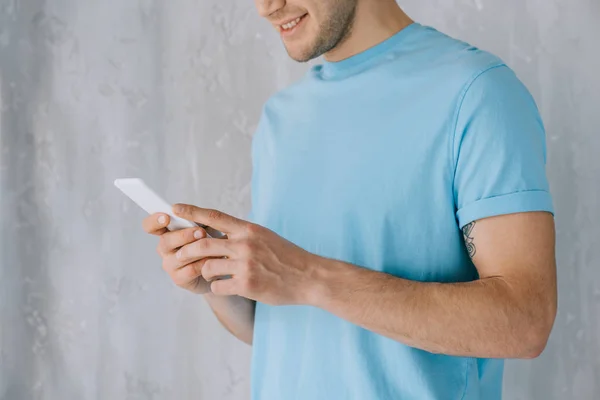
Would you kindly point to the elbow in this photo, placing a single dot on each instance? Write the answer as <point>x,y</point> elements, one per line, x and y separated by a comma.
<point>247,340</point>
<point>537,336</point>
<point>534,348</point>
<point>244,337</point>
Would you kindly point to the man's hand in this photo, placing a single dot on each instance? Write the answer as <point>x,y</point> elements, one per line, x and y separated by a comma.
<point>185,275</point>
<point>262,265</point>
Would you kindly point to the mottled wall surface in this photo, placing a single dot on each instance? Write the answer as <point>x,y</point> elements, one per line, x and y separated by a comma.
<point>171,92</point>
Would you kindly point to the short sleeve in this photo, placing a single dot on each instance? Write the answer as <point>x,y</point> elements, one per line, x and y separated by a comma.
<point>499,149</point>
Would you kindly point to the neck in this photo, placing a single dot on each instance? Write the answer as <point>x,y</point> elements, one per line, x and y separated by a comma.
<point>374,22</point>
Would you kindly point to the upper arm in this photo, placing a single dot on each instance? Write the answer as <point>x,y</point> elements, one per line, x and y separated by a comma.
<point>517,247</point>
<point>502,197</point>
<point>499,150</point>
<point>517,251</point>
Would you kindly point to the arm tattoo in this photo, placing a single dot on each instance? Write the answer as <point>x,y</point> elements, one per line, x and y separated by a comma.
<point>467,230</point>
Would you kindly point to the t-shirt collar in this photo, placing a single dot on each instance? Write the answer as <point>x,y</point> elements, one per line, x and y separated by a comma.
<point>340,69</point>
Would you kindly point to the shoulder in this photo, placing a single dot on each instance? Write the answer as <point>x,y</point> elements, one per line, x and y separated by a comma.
<point>281,99</point>
<point>456,59</point>
<point>279,106</point>
<point>466,72</point>
<point>433,57</point>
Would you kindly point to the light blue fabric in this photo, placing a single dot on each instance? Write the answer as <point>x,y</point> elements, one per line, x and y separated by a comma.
<point>379,160</point>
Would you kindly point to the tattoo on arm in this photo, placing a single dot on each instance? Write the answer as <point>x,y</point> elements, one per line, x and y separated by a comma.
<point>467,230</point>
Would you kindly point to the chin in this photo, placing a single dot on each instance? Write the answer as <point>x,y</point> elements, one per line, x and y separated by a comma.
<point>300,58</point>
<point>300,54</point>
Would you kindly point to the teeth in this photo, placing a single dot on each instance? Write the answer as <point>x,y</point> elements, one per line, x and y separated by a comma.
<point>291,24</point>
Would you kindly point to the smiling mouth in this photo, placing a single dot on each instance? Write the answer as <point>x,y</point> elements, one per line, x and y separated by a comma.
<point>291,24</point>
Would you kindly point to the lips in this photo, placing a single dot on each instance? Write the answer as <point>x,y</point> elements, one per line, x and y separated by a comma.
<point>290,24</point>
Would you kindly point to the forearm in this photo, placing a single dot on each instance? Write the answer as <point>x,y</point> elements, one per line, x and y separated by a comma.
<point>235,313</point>
<point>484,318</point>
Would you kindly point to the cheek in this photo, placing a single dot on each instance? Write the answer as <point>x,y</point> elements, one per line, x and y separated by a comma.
<point>305,38</point>
<point>311,32</point>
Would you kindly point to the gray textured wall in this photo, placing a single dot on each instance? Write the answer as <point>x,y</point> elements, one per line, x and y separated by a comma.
<point>171,91</point>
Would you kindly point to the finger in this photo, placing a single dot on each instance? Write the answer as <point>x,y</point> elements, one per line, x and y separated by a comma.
<point>213,218</point>
<point>171,264</point>
<point>171,241</point>
<point>203,248</point>
<point>187,273</point>
<point>224,287</point>
<point>219,267</point>
<point>156,224</point>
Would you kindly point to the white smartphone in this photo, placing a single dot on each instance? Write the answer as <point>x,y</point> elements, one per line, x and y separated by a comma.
<point>137,190</point>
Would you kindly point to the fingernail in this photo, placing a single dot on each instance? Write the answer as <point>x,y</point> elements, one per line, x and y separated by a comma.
<point>178,254</point>
<point>162,219</point>
<point>198,235</point>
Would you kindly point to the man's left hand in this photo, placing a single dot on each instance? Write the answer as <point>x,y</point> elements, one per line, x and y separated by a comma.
<point>262,265</point>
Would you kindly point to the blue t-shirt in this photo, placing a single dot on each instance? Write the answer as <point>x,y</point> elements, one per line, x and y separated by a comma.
<point>379,160</point>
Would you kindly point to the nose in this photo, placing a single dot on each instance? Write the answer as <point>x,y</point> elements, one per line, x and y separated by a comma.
<point>268,7</point>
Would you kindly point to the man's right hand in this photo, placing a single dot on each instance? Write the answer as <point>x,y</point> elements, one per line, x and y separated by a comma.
<point>188,276</point>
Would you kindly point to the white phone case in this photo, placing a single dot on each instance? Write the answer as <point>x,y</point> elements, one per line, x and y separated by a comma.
<point>137,190</point>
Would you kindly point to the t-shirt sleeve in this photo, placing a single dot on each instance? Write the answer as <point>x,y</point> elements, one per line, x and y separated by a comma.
<point>499,149</point>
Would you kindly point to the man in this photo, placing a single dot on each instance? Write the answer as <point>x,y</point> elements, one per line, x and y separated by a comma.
<point>402,236</point>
